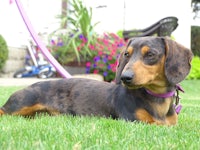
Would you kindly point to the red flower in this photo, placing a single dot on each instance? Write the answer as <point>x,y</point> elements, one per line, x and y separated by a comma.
<point>96,71</point>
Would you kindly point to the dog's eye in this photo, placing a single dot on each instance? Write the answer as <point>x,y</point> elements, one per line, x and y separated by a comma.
<point>149,55</point>
<point>126,54</point>
<point>150,58</point>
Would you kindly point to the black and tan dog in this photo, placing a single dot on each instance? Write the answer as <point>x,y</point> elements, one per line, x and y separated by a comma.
<point>149,69</point>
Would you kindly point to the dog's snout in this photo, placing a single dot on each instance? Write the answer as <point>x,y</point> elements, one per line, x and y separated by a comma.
<point>127,77</point>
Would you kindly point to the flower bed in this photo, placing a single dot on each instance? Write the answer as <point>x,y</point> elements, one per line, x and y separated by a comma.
<point>104,62</point>
<point>99,56</point>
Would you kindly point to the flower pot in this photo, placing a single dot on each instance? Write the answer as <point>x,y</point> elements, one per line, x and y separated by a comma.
<point>75,68</point>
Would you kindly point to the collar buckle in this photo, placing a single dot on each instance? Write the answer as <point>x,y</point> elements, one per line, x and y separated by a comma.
<point>175,93</point>
<point>178,106</point>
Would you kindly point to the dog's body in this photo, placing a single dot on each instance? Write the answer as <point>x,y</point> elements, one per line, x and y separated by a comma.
<point>77,97</point>
<point>148,64</point>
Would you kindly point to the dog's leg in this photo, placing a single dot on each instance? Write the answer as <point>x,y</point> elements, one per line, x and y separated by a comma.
<point>145,117</point>
<point>32,110</point>
<point>28,110</point>
<point>172,120</point>
<point>26,102</point>
<point>1,112</point>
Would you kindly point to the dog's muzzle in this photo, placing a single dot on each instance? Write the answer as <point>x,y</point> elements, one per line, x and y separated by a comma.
<point>127,77</point>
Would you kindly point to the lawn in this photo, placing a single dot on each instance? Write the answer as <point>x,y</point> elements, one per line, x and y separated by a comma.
<point>92,133</point>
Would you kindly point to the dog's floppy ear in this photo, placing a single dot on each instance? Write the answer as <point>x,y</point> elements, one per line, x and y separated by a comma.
<point>121,64</point>
<point>178,61</point>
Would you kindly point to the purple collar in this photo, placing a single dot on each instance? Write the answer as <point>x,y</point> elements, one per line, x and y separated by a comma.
<point>168,94</point>
<point>165,95</point>
<point>177,106</point>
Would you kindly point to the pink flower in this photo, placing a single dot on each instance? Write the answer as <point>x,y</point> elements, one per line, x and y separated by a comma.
<point>113,69</point>
<point>113,53</point>
<point>105,42</point>
<point>82,44</point>
<point>91,47</point>
<point>108,48</point>
<point>100,53</point>
<point>101,47</point>
<point>88,64</point>
<point>109,57</point>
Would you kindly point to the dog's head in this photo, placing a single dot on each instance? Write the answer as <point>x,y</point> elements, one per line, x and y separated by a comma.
<point>153,61</point>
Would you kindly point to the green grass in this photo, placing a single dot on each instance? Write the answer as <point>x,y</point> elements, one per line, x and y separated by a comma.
<point>92,133</point>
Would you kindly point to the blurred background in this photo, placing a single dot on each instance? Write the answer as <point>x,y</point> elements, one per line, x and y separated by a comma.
<point>59,20</point>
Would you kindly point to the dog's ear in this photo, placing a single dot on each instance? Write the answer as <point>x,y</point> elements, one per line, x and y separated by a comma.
<point>120,66</point>
<point>121,63</point>
<point>178,61</point>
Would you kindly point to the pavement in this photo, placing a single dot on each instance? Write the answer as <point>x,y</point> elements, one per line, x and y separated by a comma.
<point>29,81</point>
<point>21,81</point>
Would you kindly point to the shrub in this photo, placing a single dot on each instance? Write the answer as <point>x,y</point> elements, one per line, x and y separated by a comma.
<point>3,52</point>
<point>195,70</point>
<point>195,40</point>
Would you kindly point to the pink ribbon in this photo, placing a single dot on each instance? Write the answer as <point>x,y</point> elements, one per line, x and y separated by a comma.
<point>39,43</point>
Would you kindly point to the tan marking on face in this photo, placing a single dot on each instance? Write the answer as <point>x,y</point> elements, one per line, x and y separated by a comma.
<point>130,50</point>
<point>28,111</point>
<point>144,50</point>
<point>150,76</point>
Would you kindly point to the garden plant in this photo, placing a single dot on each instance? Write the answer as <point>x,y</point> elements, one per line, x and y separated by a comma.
<point>3,52</point>
<point>79,33</point>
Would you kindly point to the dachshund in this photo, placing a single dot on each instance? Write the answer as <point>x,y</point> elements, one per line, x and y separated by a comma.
<point>147,75</point>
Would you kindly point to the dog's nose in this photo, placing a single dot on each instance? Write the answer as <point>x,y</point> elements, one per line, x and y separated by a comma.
<point>127,77</point>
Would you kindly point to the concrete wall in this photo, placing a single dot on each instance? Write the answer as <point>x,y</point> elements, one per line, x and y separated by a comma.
<point>15,61</point>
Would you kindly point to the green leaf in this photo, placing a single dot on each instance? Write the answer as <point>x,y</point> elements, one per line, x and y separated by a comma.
<point>76,51</point>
